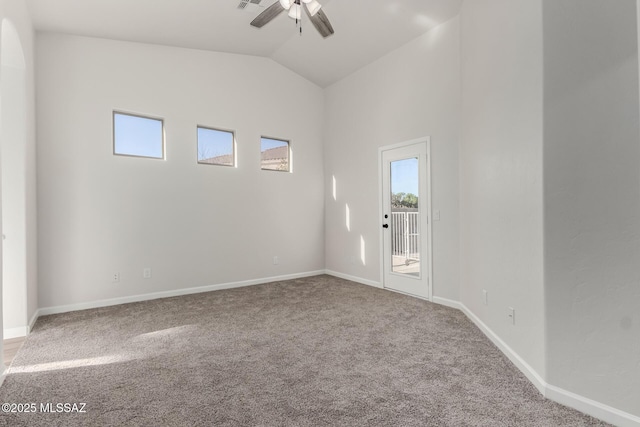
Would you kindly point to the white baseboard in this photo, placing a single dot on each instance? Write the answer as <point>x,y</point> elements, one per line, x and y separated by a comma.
<point>591,407</point>
<point>557,394</point>
<point>354,279</point>
<point>448,302</point>
<point>33,320</point>
<point>515,358</point>
<point>173,293</point>
<point>19,332</point>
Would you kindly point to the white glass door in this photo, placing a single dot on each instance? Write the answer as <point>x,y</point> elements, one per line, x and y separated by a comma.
<point>405,219</point>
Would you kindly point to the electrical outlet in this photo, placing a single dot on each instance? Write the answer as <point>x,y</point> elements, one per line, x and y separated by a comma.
<point>485,297</point>
<point>276,261</point>
<point>511,314</point>
<point>115,278</point>
<point>146,273</point>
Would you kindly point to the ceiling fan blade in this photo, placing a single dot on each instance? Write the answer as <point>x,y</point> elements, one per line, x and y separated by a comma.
<point>267,15</point>
<point>321,22</point>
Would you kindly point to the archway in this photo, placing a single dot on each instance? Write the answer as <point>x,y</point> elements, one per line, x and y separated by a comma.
<point>13,165</point>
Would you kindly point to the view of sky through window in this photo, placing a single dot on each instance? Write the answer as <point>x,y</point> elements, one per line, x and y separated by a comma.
<point>215,147</point>
<point>268,143</point>
<point>405,176</point>
<point>137,136</point>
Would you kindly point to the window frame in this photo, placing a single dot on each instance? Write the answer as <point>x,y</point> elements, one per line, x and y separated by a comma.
<point>233,146</point>
<point>140,116</point>
<point>289,155</point>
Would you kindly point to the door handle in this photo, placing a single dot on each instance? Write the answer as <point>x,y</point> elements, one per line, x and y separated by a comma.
<point>385,225</point>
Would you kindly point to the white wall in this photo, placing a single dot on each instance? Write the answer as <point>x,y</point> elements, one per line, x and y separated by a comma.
<point>501,226</point>
<point>592,199</point>
<point>410,93</point>
<point>13,129</point>
<point>17,134</point>
<point>194,225</point>
<point>504,117</point>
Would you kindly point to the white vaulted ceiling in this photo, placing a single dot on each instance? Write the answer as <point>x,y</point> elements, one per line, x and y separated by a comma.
<point>365,30</point>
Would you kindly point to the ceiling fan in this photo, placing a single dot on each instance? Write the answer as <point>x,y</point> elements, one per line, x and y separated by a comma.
<point>311,7</point>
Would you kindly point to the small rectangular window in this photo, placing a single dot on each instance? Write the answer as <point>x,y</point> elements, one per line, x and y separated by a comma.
<point>274,154</point>
<point>216,147</point>
<point>138,136</point>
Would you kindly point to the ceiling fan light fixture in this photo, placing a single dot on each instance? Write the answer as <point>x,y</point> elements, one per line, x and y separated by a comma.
<point>313,6</point>
<point>295,12</point>
<point>286,4</point>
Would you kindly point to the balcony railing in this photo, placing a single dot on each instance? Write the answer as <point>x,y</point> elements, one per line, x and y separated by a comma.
<point>405,235</point>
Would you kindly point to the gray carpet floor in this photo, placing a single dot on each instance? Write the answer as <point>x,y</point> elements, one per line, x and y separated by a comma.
<point>319,351</point>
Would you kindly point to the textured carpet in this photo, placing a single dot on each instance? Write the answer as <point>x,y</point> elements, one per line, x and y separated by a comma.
<point>309,352</point>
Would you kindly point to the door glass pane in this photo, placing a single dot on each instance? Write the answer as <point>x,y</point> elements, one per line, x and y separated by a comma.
<point>405,217</point>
